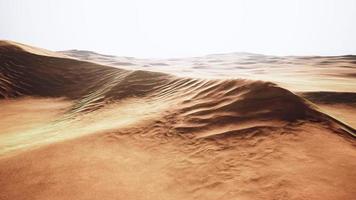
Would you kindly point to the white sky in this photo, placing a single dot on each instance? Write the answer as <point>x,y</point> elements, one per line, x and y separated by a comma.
<point>176,28</point>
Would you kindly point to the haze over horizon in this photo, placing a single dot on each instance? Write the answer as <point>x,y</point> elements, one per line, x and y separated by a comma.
<point>183,28</point>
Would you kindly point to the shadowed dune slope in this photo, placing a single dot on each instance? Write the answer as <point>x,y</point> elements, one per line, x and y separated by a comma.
<point>331,97</point>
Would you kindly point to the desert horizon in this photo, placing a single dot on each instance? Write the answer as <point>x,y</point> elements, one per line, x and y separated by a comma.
<point>82,125</point>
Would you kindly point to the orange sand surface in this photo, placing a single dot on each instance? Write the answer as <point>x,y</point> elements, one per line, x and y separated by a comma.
<point>225,126</point>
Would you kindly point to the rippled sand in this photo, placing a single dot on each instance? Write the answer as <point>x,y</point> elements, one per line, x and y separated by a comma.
<point>80,125</point>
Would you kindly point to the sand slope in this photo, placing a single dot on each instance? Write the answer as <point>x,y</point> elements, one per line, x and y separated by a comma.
<point>101,132</point>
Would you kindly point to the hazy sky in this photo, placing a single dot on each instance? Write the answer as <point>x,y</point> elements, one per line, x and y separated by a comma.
<point>175,28</point>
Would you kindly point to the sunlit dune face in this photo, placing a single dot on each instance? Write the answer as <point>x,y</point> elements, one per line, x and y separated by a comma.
<point>45,121</point>
<point>34,113</point>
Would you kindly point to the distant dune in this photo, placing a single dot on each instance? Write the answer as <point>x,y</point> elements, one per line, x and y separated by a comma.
<point>297,73</point>
<point>81,125</point>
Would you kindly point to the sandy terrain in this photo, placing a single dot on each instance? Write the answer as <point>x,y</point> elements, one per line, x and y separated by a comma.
<point>110,129</point>
<point>302,74</point>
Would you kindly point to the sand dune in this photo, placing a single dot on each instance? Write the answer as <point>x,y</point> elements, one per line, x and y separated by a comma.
<point>73,129</point>
<point>296,73</point>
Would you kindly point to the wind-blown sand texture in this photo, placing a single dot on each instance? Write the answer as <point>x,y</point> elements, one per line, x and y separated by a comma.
<point>81,125</point>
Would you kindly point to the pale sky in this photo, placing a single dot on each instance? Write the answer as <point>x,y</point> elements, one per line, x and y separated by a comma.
<point>179,28</point>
